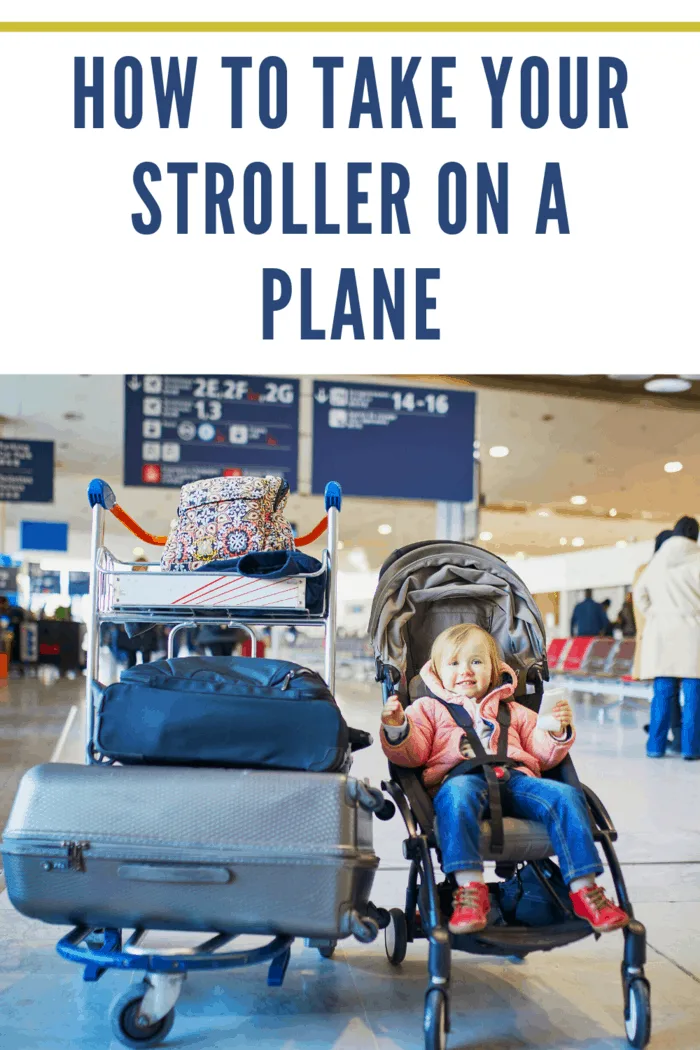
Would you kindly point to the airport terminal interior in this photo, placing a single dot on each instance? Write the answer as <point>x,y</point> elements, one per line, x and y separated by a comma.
<point>563,484</point>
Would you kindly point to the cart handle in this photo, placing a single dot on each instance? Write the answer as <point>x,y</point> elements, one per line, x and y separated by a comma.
<point>101,494</point>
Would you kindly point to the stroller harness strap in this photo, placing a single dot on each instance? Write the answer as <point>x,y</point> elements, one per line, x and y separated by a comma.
<point>494,766</point>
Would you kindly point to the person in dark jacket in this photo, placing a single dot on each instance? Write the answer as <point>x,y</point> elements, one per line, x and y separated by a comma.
<point>605,606</point>
<point>589,619</point>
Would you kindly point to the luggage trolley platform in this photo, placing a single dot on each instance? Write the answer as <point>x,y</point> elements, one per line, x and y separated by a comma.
<point>143,1015</point>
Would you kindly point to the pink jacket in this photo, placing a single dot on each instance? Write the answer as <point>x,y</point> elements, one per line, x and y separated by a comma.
<point>433,737</point>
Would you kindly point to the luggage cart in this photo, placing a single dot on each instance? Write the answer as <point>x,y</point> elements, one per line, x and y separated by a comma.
<point>144,1014</point>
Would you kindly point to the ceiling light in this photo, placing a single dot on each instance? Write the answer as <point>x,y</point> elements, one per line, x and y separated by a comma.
<point>340,545</point>
<point>563,541</point>
<point>612,512</point>
<point>578,500</point>
<point>499,451</point>
<point>485,536</point>
<point>543,513</point>
<point>673,467</point>
<point>667,385</point>
<point>629,378</point>
<point>384,530</point>
<point>138,552</point>
<point>621,543</point>
<point>520,555</point>
<point>577,541</point>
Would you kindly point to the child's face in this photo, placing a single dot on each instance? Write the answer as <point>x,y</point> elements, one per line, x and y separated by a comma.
<point>467,671</point>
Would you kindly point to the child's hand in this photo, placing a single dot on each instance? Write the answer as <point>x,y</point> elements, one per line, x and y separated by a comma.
<point>564,714</point>
<point>392,712</point>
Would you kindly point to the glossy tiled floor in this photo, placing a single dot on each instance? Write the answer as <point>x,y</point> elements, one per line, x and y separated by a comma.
<point>566,1000</point>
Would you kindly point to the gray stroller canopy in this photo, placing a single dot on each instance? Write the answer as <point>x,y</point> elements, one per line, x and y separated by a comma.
<point>429,586</point>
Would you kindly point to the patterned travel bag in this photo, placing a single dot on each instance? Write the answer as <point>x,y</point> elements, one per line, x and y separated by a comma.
<point>222,518</point>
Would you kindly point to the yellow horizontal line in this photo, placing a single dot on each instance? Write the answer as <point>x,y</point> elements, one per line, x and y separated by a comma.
<point>349,27</point>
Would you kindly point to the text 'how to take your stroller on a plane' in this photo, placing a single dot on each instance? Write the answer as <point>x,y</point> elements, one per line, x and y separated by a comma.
<point>424,589</point>
<point>276,842</point>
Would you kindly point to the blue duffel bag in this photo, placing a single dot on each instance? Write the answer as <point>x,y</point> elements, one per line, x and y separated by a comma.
<point>524,901</point>
<point>237,712</point>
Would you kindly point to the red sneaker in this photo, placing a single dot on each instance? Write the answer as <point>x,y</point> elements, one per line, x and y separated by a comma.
<point>471,908</point>
<point>591,904</point>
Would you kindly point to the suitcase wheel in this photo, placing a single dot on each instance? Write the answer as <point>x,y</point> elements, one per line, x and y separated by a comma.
<point>128,1026</point>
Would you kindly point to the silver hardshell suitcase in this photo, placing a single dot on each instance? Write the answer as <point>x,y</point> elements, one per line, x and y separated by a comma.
<point>196,849</point>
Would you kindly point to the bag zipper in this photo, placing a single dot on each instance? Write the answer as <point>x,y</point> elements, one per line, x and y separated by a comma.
<point>283,490</point>
<point>290,675</point>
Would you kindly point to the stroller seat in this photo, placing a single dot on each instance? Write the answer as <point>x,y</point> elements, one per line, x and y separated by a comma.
<point>522,840</point>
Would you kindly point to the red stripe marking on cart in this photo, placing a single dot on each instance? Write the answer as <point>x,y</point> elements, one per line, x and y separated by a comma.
<point>240,584</point>
<point>221,582</point>
<point>277,602</point>
<point>273,588</point>
<point>204,587</point>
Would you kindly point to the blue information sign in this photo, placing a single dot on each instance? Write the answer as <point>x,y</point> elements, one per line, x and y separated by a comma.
<point>393,441</point>
<point>78,583</point>
<point>183,428</point>
<point>26,471</point>
<point>43,536</point>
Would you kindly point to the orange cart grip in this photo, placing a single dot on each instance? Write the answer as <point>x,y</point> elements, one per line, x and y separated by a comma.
<point>160,541</point>
<point>303,541</point>
<point>147,537</point>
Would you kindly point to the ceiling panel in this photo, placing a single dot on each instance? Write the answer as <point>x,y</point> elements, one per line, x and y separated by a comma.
<point>561,444</point>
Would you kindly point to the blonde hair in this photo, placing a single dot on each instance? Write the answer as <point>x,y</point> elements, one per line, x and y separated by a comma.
<point>449,642</point>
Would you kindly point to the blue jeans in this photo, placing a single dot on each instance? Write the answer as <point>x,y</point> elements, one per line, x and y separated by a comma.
<point>460,804</point>
<point>666,697</point>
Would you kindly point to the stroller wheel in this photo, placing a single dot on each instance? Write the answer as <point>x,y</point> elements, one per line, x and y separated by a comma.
<point>435,1020</point>
<point>326,950</point>
<point>396,937</point>
<point>638,1014</point>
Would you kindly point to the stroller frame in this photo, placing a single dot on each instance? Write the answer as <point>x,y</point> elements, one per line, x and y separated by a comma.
<point>144,1014</point>
<point>423,915</point>
<point>423,918</point>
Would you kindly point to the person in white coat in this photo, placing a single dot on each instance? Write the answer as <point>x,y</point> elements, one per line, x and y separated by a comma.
<point>668,594</point>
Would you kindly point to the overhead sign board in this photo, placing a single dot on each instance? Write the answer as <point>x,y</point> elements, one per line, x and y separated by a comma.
<point>394,442</point>
<point>184,428</point>
<point>26,471</point>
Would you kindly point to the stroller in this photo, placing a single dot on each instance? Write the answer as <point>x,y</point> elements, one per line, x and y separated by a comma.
<point>422,590</point>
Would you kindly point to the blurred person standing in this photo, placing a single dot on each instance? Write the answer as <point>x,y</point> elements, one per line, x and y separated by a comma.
<point>626,620</point>
<point>638,614</point>
<point>588,619</point>
<point>675,723</point>
<point>14,616</point>
<point>668,594</point>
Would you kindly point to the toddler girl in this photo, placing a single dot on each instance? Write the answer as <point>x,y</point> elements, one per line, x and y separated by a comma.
<point>465,668</point>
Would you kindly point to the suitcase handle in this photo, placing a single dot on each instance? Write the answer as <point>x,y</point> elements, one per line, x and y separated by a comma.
<point>167,873</point>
